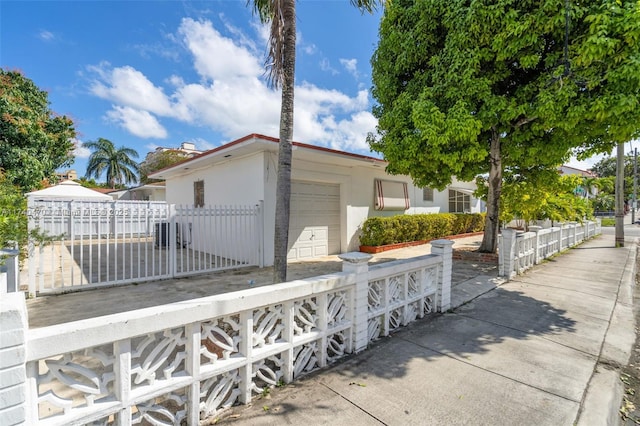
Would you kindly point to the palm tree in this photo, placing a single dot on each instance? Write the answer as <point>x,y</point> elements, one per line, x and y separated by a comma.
<point>281,63</point>
<point>118,163</point>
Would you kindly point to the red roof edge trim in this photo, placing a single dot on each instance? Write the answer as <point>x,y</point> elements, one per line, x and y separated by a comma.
<point>274,140</point>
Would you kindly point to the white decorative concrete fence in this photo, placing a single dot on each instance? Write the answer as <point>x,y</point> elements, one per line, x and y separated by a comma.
<point>519,251</point>
<point>186,361</point>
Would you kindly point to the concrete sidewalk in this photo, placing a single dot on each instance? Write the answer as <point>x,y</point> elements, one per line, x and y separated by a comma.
<point>542,349</point>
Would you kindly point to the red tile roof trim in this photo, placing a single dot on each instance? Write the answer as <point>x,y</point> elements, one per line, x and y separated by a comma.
<point>275,140</point>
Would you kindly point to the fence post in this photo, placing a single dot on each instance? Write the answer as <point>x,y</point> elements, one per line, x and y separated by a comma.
<point>507,253</point>
<point>173,241</point>
<point>358,263</point>
<point>9,265</point>
<point>574,233</point>
<point>536,243</point>
<point>13,369</point>
<point>260,230</point>
<point>443,248</point>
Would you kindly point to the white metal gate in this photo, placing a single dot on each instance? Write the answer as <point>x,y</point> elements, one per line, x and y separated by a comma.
<point>96,243</point>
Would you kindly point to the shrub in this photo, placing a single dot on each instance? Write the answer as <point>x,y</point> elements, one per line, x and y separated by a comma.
<point>378,231</point>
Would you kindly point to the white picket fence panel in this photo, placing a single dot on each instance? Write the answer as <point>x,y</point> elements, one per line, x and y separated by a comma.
<point>97,243</point>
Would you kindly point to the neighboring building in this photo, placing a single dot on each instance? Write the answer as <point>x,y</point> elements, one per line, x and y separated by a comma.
<point>67,175</point>
<point>582,190</point>
<point>148,192</point>
<point>187,148</point>
<point>332,192</point>
<point>568,170</point>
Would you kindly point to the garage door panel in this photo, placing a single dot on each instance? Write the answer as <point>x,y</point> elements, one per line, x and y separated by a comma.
<point>315,220</point>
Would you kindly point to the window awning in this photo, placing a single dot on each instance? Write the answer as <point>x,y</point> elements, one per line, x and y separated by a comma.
<point>390,195</point>
<point>463,190</point>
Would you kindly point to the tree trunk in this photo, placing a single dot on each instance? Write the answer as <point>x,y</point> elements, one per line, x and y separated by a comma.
<point>283,183</point>
<point>492,221</point>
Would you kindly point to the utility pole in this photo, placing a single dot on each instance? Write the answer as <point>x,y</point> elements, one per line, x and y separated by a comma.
<point>620,196</point>
<point>635,185</point>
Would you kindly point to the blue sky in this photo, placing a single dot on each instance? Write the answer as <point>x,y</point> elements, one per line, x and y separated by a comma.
<point>157,73</point>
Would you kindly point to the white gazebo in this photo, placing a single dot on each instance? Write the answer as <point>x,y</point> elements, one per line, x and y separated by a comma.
<point>68,191</point>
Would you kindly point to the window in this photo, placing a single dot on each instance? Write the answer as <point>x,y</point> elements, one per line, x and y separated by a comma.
<point>459,202</point>
<point>427,194</point>
<point>198,193</point>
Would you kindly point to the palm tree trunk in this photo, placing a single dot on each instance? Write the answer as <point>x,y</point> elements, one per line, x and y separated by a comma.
<point>492,220</point>
<point>283,183</point>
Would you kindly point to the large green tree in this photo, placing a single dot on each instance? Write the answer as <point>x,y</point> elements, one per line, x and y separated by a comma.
<point>281,63</point>
<point>157,160</point>
<point>465,88</point>
<point>34,141</point>
<point>118,164</point>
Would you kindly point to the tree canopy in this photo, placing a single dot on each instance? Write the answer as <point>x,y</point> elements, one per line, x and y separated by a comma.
<point>606,168</point>
<point>119,164</point>
<point>34,141</point>
<point>157,160</point>
<point>470,88</point>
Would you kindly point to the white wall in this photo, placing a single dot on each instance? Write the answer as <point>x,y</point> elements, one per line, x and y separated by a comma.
<point>250,179</point>
<point>230,182</point>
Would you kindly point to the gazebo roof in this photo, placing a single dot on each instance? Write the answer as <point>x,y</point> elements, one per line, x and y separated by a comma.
<point>68,190</point>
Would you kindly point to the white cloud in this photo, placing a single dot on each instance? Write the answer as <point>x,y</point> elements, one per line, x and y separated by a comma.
<point>129,87</point>
<point>351,65</point>
<point>202,144</point>
<point>80,151</point>
<point>217,57</point>
<point>325,65</point>
<point>231,97</point>
<point>137,122</point>
<point>46,35</point>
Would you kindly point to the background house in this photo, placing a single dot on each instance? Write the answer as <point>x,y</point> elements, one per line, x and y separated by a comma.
<point>332,192</point>
<point>149,192</point>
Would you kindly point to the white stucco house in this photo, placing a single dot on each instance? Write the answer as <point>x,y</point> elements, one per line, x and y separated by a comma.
<point>332,192</point>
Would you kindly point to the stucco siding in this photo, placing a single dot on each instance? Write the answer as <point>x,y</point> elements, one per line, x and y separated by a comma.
<point>235,182</point>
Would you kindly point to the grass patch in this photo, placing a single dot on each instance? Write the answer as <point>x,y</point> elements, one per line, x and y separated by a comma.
<point>608,221</point>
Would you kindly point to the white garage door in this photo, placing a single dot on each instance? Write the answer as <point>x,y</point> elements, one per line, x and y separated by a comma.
<point>314,227</point>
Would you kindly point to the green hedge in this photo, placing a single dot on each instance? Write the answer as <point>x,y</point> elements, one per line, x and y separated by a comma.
<point>378,231</point>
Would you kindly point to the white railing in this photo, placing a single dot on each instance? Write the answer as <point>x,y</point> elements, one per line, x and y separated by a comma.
<point>9,271</point>
<point>519,251</point>
<point>183,362</point>
<point>215,238</point>
<point>111,243</point>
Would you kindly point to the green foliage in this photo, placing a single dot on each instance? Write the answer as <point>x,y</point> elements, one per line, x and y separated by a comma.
<point>14,219</point>
<point>608,221</point>
<point>118,163</point>
<point>606,168</point>
<point>451,77</point>
<point>377,231</point>
<point>540,193</point>
<point>34,141</point>
<point>13,215</point>
<point>159,160</point>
